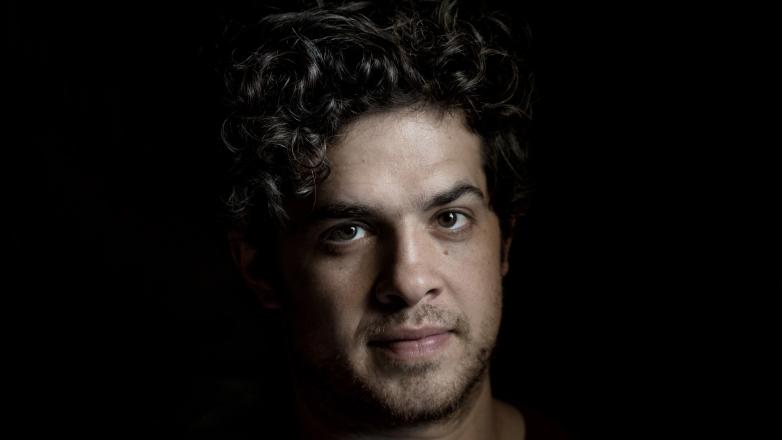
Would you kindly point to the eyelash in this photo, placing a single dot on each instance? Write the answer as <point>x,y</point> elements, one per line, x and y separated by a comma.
<point>327,237</point>
<point>343,226</point>
<point>460,216</point>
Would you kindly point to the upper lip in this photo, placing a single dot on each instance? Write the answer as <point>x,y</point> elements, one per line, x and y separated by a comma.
<point>408,333</point>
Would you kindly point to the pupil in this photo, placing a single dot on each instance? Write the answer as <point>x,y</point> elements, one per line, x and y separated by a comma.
<point>348,232</point>
<point>449,219</point>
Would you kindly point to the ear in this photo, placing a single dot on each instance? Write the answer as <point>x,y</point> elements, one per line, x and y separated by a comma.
<point>245,257</point>
<point>506,242</point>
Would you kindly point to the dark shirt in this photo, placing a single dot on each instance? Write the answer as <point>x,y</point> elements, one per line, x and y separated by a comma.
<point>262,416</point>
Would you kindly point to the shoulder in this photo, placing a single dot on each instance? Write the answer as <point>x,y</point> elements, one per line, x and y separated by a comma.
<point>510,422</point>
<point>538,426</point>
<point>526,424</point>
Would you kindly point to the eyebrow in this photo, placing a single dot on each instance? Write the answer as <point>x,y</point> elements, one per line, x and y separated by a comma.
<point>458,191</point>
<point>339,210</point>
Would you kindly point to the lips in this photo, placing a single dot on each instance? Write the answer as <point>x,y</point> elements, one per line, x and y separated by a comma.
<point>411,343</point>
<point>408,334</point>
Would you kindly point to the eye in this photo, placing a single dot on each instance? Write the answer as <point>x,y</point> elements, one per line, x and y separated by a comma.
<point>452,220</point>
<point>345,233</point>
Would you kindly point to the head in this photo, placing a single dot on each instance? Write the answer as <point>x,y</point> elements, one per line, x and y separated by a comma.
<point>379,169</point>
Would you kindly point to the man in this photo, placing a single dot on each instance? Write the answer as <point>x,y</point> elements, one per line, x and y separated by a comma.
<point>378,174</point>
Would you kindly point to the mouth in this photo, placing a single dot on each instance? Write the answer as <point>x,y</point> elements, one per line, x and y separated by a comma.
<point>411,344</point>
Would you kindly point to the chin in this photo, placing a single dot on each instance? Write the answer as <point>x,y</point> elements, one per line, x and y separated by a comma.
<point>426,398</point>
<point>381,392</point>
<point>407,394</point>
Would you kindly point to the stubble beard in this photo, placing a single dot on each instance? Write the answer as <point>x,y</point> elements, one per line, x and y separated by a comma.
<point>386,394</point>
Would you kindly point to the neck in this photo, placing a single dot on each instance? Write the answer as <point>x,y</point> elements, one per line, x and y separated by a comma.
<point>477,419</point>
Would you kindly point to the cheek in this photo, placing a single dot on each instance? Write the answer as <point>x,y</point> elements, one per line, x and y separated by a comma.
<point>479,256</point>
<point>328,297</point>
<point>476,274</point>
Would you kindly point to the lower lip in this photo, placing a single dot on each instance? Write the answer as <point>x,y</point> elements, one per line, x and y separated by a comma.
<point>417,348</point>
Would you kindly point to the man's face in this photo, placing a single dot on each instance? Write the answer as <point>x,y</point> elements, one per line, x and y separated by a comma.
<point>394,276</point>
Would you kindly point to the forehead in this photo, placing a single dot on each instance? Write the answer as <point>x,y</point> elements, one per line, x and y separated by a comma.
<point>401,156</point>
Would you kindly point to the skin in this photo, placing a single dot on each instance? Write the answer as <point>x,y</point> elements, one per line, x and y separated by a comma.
<point>400,235</point>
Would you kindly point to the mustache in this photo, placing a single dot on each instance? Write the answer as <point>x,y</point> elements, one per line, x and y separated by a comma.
<point>425,315</point>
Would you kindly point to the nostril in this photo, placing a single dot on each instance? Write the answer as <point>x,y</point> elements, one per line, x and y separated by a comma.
<point>395,294</point>
<point>390,302</point>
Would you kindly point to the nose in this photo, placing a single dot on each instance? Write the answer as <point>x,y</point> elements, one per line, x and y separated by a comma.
<point>412,269</point>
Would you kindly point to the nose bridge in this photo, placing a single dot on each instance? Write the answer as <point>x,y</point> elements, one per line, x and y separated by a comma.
<point>411,267</point>
<point>410,245</point>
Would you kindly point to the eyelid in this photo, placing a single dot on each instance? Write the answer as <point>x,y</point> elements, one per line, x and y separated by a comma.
<point>469,219</point>
<point>324,237</point>
<point>468,215</point>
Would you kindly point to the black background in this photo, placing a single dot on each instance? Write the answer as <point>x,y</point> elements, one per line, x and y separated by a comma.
<point>142,325</point>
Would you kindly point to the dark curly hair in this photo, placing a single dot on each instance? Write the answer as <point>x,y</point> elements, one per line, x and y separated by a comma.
<point>296,79</point>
